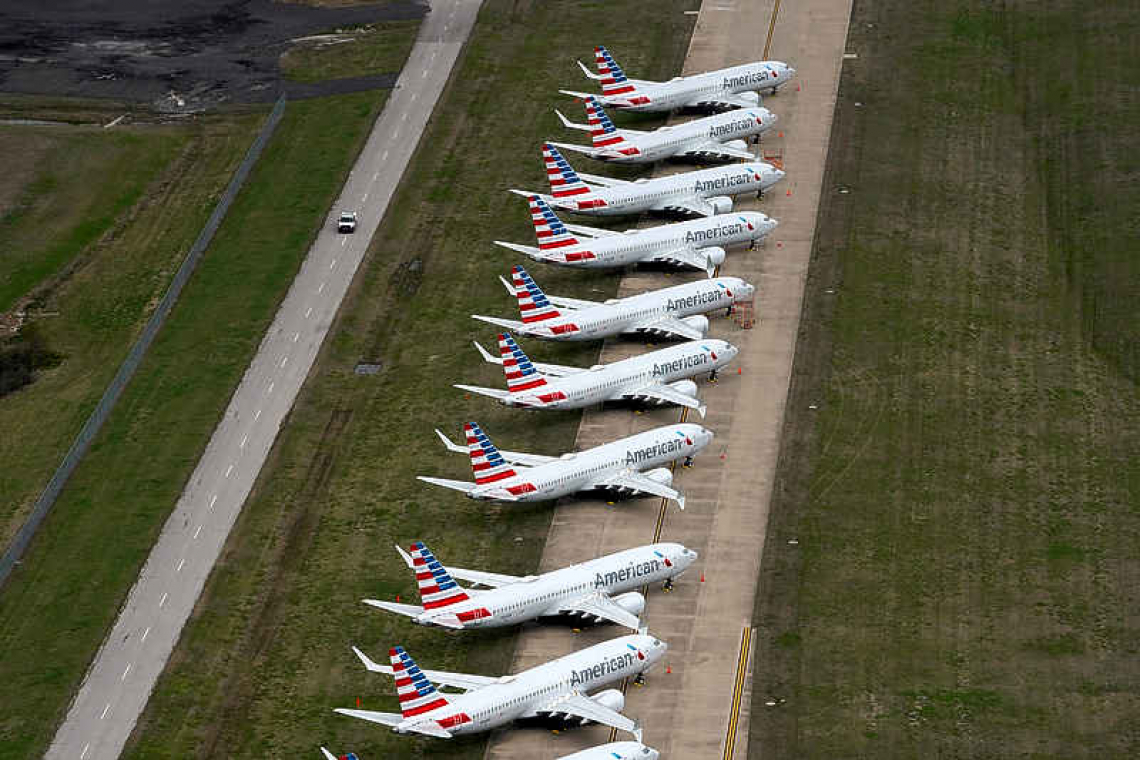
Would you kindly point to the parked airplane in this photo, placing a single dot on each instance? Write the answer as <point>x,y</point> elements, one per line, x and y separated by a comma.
<point>659,377</point>
<point>704,192</point>
<point>600,589</point>
<point>734,87</point>
<point>676,312</point>
<point>556,689</point>
<point>633,465</point>
<point>721,136</point>
<point>696,243</point>
<point>615,751</point>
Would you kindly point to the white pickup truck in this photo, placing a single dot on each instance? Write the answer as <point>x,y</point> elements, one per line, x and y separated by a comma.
<point>346,223</point>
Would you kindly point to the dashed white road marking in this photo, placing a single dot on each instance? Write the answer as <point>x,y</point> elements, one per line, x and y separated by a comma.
<point>197,531</point>
<point>83,754</point>
<point>229,470</point>
<point>213,500</point>
<point>123,677</point>
<point>332,263</point>
<point>295,336</point>
<point>321,288</point>
<point>413,99</point>
<point>181,562</point>
<point>105,709</point>
<point>244,440</point>
<point>343,240</point>
<point>258,412</point>
<point>145,634</point>
<point>270,389</point>
<point>364,199</point>
<point>382,158</point>
<point>424,74</point>
<point>162,601</point>
<point>308,312</point>
<point>284,360</point>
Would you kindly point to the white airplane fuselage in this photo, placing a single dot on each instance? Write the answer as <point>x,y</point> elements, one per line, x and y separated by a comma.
<point>670,193</point>
<point>685,139</point>
<point>572,473</point>
<point>529,693</point>
<point>541,596</point>
<point>615,751</point>
<point>686,302</point>
<point>621,380</point>
<point>702,90</point>
<point>652,243</point>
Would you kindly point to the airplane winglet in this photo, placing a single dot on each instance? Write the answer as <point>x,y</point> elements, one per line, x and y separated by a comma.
<point>328,755</point>
<point>585,70</point>
<point>570,124</point>
<point>487,357</point>
<point>451,446</point>
<point>408,558</point>
<point>510,288</point>
<point>681,501</point>
<point>636,730</point>
<point>702,409</point>
<point>369,664</point>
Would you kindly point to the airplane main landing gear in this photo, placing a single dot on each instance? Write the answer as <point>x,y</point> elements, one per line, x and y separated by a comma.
<point>640,680</point>
<point>712,376</point>
<point>688,462</point>
<point>667,586</point>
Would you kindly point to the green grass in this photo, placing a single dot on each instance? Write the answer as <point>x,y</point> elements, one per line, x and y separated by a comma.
<point>81,181</point>
<point>267,657</point>
<point>91,315</point>
<point>58,606</point>
<point>360,51</point>
<point>966,499</point>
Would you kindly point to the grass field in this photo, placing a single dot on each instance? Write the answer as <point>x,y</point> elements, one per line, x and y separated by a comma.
<point>373,49</point>
<point>266,656</point>
<point>965,502</point>
<point>118,209</point>
<point>58,605</point>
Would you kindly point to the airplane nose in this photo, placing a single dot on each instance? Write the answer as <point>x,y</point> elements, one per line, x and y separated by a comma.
<point>652,754</point>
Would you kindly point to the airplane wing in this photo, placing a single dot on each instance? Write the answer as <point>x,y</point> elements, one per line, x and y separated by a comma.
<point>571,303</point>
<point>687,256</point>
<point>509,324</point>
<point>630,480</point>
<point>595,179</point>
<point>408,610</point>
<point>668,394</point>
<point>555,370</point>
<point>723,101</point>
<point>592,232</point>
<point>719,150</point>
<point>472,576</point>
<point>697,206</point>
<point>579,705</point>
<point>514,457</point>
<point>669,326</point>
<point>495,393</point>
<point>589,150</point>
<point>462,486</point>
<point>455,680</point>
<point>526,250</point>
<point>602,606</point>
<point>428,728</point>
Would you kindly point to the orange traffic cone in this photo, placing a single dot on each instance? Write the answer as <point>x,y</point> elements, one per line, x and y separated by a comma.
<point>738,370</point>
<point>797,86</point>
<point>781,134</point>
<point>397,597</point>
<point>789,193</point>
<point>668,669</point>
<point>702,577</point>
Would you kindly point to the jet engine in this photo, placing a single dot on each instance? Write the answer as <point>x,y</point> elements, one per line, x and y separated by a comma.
<point>721,204</point>
<point>749,95</point>
<point>632,602</point>
<point>688,387</point>
<point>662,475</point>
<point>611,698</point>
<point>736,145</point>
<point>699,323</point>
<point>714,254</point>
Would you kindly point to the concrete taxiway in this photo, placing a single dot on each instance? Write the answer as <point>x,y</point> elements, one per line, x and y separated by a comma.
<point>698,704</point>
<point>120,679</point>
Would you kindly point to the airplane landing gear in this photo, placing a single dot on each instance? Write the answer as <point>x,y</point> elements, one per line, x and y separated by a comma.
<point>688,462</point>
<point>668,585</point>
<point>640,680</point>
<point>712,376</point>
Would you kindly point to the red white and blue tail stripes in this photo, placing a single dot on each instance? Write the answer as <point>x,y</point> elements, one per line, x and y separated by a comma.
<point>614,81</point>
<point>602,129</point>
<point>548,228</point>
<point>437,587</point>
<point>487,464</point>
<point>533,304</point>
<point>416,693</point>
<point>564,181</point>
<point>521,374</point>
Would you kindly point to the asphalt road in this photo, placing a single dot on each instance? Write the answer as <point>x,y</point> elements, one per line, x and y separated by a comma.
<point>700,708</point>
<point>120,680</point>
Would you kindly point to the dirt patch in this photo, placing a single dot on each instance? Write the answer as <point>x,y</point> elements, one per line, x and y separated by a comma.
<point>178,55</point>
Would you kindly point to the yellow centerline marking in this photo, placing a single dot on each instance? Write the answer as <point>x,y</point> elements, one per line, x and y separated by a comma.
<point>738,692</point>
<point>771,29</point>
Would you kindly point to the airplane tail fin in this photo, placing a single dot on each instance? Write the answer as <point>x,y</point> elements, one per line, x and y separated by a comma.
<point>416,693</point>
<point>533,303</point>
<point>614,80</point>
<point>564,181</point>
<point>521,374</point>
<point>548,228</point>
<point>602,129</point>
<point>487,463</point>
<point>437,587</point>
